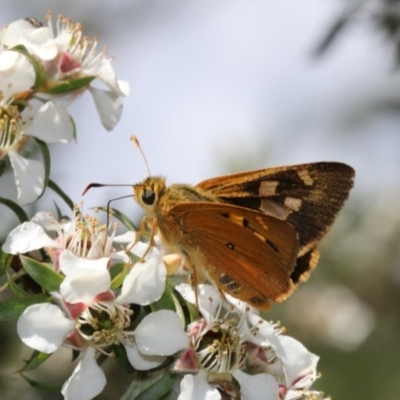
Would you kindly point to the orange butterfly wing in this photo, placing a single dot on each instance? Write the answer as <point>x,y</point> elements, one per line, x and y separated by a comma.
<point>249,254</point>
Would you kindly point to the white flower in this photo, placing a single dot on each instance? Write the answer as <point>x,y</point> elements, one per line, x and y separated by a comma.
<point>233,341</point>
<point>67,55</point>
<point>49,123</point>
<point>90,318</point>
<point>83,236</point>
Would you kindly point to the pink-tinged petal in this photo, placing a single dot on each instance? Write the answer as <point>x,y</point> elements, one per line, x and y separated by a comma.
<point>27,237</point>
<point>187,362</point>
<point>169,325</point>
<point>74,310</point>
<point>29,177</point>
<point>67,63</point>
<point>257,387</point>
<point>196,387</point>
<point>297,360</point>
<point>140,361</point>
<point>52,124</point>
<point>145,283</point>
<point>44,327</point>
<point>109,107</point>
<point>70,263</point>
<point>87,380</point>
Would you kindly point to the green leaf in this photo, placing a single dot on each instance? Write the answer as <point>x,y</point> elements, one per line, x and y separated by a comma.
<point>68,86</point>
<point>5,261</point>
<point>35,361</point>
<point>12,309</point>
<point>18,210</point>
<point>118,278</point>
<point>121,358</point>
<point>166,302</point>
<point>18,291</point>
<point>121,217</point>
<point>41,386</point>
<point>40,76</point>
<point>3,166</point>
<point>46,161</point>
<point>42,274</point>
<point>189,310</point>
<point>52,185</point>
<point>158,389</point>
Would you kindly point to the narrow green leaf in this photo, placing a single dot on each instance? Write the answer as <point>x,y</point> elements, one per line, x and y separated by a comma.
<point>159,389</point>
<point>3,166</point>
<point>118,279</point>
<point>12,309</point>
<point>121,217</point>
<point>18,291</point>
<point>40,76</point>
<point>42,274</point>
<point>17,209</point>
<point>68,86</point>
<point>58,210</point>
<point>166,302</point>
<point>41,386</point>
<point>121,358</point>
<point>46,161</point>
<point>37,359</point>
<point>52,185</point>
<point>5,261</point>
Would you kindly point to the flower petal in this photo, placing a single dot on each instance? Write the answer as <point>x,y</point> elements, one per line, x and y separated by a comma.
<point>257,387</point>
<point>109,107</point>
<point>140,361</point>
<point>13,33</point>
<point>70,263</point>
<point>29,177</point>
<point>27,237</point>
<point>161,333</point>
<point>16,74</point>
<point>84,279</point>
<point>46,221</point>
<point>52,124</point>
<point>44,327</point>
<point>145,283</point>
<point>297,360</point>
<point>87,380</point>
<point>196,387</point>
<point>108,76</point>
<point>209,298</point>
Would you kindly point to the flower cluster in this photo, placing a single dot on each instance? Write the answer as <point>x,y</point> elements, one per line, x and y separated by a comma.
<point>80,285</point>
<point>43,69</point>
<point>224,349</point>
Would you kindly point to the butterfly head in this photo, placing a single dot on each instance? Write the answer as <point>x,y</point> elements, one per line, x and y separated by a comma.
<point>148,192</point>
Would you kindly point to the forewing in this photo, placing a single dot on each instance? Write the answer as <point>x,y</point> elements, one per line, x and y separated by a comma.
<point>308,196</point>
<point>248,254</point>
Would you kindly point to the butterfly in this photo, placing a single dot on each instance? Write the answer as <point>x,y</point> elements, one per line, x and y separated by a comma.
<point>254,234</point>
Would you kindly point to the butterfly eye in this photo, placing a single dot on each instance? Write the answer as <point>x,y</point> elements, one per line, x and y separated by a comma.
<point>148,197</point>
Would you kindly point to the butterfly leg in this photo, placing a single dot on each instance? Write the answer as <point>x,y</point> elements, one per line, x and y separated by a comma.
<point>139,233</point>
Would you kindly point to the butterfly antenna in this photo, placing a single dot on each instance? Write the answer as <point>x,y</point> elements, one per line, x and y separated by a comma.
<point>135,140</point>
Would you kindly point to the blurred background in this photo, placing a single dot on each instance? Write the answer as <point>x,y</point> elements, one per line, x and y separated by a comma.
<point>223,86</point>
